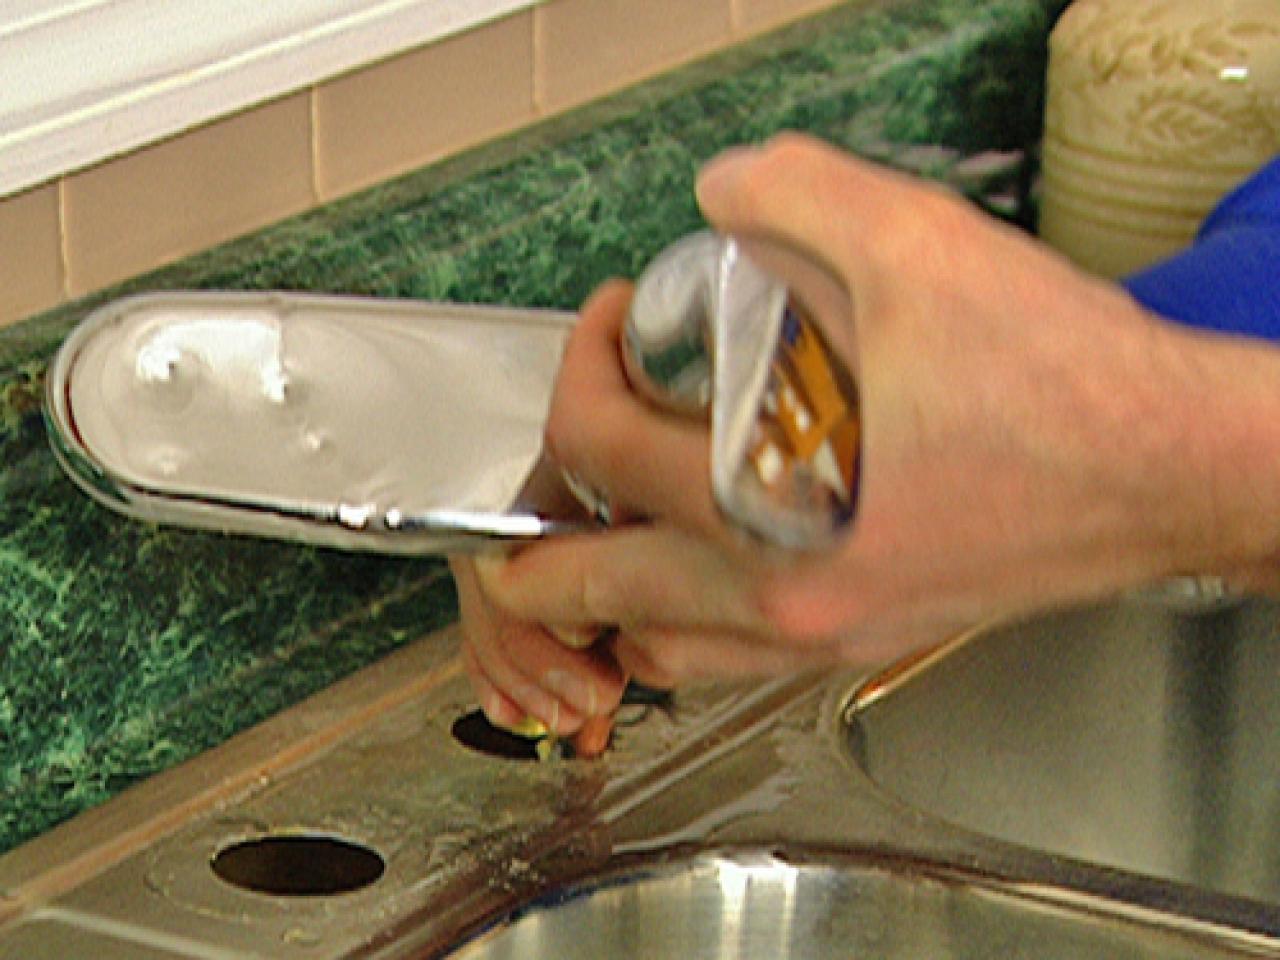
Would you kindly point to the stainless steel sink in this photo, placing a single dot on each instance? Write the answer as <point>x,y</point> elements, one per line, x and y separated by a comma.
<point>1142,735</point>
<point>755,906</point>
<point>1097,783</point>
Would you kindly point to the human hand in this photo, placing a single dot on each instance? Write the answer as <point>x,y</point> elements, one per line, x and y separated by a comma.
<point>1024,433</point>
<point>520,670</point>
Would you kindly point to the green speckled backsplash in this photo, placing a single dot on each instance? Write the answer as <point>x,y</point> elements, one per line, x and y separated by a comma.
<point>125,649</point>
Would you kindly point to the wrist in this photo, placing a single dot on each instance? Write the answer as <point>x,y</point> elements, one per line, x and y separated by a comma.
<point>1224,415</point>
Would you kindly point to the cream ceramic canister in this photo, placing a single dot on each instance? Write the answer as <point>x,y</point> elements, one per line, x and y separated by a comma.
<point>1155,110</point>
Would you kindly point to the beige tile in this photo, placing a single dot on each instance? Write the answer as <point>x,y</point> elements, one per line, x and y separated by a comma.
<point>165,201</point>
<point>756,16</point>
<point>393,116</point>
<point>30,253</point>
<point>586,48</point>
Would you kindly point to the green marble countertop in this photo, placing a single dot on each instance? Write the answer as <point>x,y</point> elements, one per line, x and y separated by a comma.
<point>125,649</point>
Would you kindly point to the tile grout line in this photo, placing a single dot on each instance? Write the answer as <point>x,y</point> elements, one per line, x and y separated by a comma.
<point>64,244</point>
<point>538,57</point>
<point>736,18</point>
<point>313,136</point>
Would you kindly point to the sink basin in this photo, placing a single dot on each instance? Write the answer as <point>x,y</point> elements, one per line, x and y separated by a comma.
<point>1142,735</point>
<point>749,906</point>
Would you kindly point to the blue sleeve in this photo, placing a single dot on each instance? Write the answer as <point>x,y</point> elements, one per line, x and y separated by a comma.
<point>1229,279</point>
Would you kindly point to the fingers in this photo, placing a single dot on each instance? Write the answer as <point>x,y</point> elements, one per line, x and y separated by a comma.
<point>519,669</point>
<point>632,577</point>
<point>591,740</point>
<point>590,736</point>
<point>685,608</point>
<point>668,658</point>
<point>500,709</point>
<point>648,462</point>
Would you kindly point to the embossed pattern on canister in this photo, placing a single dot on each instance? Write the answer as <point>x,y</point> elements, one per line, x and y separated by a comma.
<point>1156,109</point>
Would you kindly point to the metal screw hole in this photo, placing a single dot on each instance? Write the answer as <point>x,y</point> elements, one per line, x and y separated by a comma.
<point>298,865</point>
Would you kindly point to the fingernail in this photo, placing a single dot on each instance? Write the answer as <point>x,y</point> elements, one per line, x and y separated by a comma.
<point>575,638</point>
<point>528,726</point>
<point>579,694</point>
<point>498,712</point>
<point>719,176</point>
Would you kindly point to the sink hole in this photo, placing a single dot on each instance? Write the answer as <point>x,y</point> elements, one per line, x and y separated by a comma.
<point>474,731</point>
<point>298,865</point>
